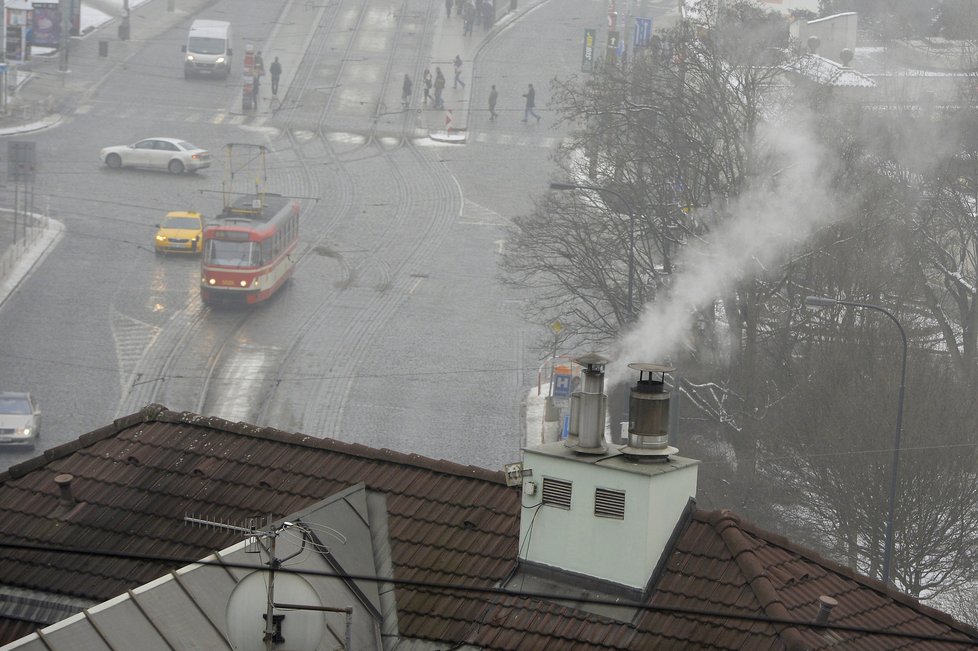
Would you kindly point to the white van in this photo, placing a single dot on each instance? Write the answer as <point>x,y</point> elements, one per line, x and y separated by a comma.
<point>208,49</point>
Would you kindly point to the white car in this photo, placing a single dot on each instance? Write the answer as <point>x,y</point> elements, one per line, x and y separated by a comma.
<point>171,154</point>
<point>20,420</point>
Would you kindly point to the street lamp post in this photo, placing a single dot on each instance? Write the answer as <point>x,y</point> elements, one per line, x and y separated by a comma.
<point>630,312</point>
<point>821,301</point>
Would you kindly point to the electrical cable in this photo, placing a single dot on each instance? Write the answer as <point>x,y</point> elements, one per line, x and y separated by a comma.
<point>486,590</point>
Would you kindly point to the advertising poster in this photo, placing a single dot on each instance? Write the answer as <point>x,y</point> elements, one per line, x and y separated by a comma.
<point>15,43</point>
<point>587,62</point>
<point>46,24</point>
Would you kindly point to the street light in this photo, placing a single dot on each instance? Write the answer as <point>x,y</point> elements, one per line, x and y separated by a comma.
<point>821,301</point>
<point>631,233</point>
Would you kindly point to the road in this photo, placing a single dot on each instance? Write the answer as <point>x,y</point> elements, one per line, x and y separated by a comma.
<point>396,331</point>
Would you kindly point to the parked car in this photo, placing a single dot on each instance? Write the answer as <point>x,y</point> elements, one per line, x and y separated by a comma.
<point>171,154</point>
<point>20,420</point>
<point>180,232</point>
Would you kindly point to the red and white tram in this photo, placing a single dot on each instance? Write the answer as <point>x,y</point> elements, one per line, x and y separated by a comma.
<point>249,249</point>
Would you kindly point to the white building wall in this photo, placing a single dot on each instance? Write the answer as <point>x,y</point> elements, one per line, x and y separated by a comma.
<point>620,551</point>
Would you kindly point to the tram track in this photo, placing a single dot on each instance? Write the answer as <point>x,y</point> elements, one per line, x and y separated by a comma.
<point>199,342</point>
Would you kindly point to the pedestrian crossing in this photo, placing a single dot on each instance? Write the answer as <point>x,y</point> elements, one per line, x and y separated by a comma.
<point>519,136</point>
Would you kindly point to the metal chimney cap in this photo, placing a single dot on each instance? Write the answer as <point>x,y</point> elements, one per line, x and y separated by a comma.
<point>651,368</point>
<point>592,359</point>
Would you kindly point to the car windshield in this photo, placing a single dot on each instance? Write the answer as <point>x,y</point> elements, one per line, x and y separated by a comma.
<point>182,222</point>
<point>232,254</point>
<point>203,45</point>
<point>14,406</point>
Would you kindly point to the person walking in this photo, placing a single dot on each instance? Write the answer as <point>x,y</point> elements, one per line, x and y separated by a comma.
<point>276,71</point>
<point>487,15</point>
<point>406,89</point>
<point>468,16</point>
<point>458,73</point>
<point>531,101</point>
<point>259,64</point>
<point>426,82</point>
<point>439,88</point>
<point>493,96</point>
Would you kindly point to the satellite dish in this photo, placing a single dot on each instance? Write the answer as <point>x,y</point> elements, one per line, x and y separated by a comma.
<point>248,604</point>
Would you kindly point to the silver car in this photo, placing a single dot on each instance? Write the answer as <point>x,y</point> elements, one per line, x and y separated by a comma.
<point>171,154</point>
<point>20,420</point>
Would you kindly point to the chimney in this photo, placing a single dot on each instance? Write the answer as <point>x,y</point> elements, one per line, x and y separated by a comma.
<point>826,604</point>
<point>64,484</point>
<point>589,407</point>
<point>593,498</point>
<point>648,415</point>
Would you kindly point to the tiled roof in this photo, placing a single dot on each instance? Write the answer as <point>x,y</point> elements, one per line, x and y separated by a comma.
<point>135,480</point>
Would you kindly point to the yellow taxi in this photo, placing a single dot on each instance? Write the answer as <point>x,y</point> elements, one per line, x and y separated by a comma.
<point>180,232</point>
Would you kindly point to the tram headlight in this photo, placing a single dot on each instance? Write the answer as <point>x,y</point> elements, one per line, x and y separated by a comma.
<point>211,281</point>
<point>244,283</point>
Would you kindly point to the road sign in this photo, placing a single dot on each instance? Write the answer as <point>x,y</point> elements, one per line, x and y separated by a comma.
<point>563,381</point>
<point>643,32</point>
<point>556,326</point>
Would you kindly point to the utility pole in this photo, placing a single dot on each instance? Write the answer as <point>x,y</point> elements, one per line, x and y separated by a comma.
<point>270,608</point>
<point>64,6</point>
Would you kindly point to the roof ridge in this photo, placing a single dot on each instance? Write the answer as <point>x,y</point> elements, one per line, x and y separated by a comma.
<point>727,526</point>
<point>160,413</point>
<point>812,556</point>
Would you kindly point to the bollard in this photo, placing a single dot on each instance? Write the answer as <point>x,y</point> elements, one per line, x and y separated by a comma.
<point>103,48</point>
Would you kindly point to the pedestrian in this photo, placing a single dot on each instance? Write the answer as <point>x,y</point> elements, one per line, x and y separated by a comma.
<point>448,7</point>
<point>487,15</point>
<point>458,73</point>
<point>469,18</point>
<point>493,96</point>
<point>427,85</point>
<point>406,90</point>
<point>439,87</point>
<point>276,71</point>
<point>531,99</point>
<point>254,91</point>
<point>259,64</point>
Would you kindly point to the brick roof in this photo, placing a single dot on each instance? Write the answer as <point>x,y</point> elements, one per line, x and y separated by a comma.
<point>136,479</point>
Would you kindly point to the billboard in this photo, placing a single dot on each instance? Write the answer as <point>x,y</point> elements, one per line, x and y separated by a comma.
<point>46,25</point>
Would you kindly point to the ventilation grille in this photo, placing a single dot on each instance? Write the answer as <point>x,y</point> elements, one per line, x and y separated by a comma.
<point>609,503</point>
<point>557,492</point>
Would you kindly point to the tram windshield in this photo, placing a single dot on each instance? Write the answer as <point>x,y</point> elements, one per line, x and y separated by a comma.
<point>232,254</point>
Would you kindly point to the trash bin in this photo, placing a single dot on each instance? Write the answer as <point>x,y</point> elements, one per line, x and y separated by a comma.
<point>103,48</point>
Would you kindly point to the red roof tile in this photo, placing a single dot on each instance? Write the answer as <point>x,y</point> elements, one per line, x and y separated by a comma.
<point>447,523</point>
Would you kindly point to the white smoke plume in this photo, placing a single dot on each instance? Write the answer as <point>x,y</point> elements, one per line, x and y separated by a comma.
<point>757,230</point>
